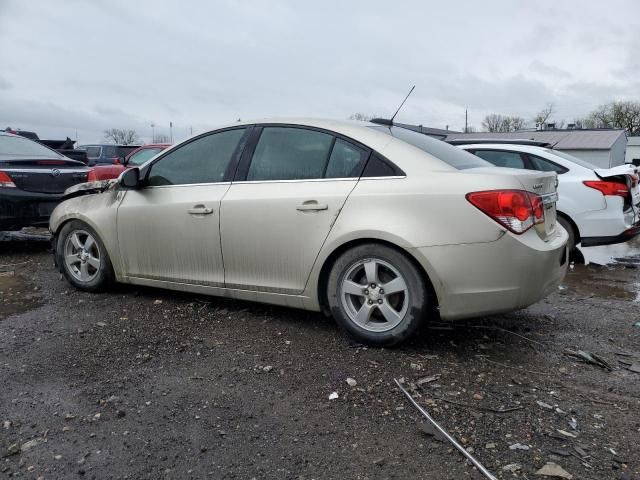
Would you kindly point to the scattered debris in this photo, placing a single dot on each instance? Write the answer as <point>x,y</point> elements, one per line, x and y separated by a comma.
<point>519,446</point>
<point>565,433</point>
<point>425,380</point>
<point>30,444</point>
<point>554,470</point>
<point>351,382</point>
<point>573,423</point>
<point>589,357</point>
<point>512,467</point>
<point>635,368</point>
<point>101,324</point>
<point>267,369</point>
<point>544,405</point>
<point>157,302</point>
<point>333,396</point>
<point>637,324</point>
<point>459,447</point>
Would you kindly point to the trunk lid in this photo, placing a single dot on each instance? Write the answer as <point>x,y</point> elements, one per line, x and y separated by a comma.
<point>544,184</point>
<point>45,176</point>
<point>629,175</point>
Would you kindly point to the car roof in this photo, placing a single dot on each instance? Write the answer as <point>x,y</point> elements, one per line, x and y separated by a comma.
<point>507,146</point>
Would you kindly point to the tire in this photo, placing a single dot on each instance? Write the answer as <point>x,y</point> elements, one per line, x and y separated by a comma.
<point>361,307</point>
<point>91,269</point>
<point>566,224</point>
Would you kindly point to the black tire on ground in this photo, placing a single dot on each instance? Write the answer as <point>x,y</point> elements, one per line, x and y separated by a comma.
<point>102,277</point>
<point>415,295</point>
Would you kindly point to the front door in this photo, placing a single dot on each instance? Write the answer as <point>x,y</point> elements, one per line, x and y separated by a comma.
<point>275,220</point>
<point>169,229</point>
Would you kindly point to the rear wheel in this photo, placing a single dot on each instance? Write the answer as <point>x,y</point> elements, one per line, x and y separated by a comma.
<point>83,258</point>
<point>566,224</point>
<point>377,295</point>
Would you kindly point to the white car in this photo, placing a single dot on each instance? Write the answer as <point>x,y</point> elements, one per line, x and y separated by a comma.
<point>378,225</point>
<point>597,206</point>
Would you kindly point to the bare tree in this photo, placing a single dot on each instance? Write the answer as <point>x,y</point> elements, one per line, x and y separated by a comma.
<point>161,138</point>
<point>361,117</point>
<point>121,136</point>
<point>544,114</point>
<point>617,114</point>
<point>495,122</point>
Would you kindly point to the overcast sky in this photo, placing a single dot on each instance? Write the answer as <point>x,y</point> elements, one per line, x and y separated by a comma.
<point>68,66</point>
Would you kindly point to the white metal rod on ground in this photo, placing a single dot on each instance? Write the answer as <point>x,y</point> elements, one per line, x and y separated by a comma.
<point>444,432</point>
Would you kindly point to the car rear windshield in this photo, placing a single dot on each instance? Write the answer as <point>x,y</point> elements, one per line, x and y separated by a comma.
<point>449,154</point>
<point>93,152</point>
<point>25,148</point>
<point>571,158</point>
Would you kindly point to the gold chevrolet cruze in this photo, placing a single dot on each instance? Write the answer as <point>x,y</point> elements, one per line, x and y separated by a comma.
<point>381,226</point>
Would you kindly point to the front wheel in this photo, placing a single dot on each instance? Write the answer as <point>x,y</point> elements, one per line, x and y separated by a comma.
<point>377,295</point>
<point>82,257</point>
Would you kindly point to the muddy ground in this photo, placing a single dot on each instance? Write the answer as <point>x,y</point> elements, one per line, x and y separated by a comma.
<point>142,383</point>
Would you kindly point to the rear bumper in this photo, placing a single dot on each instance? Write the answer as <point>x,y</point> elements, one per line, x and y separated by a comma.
<point>510,273</point>
<point>20,209</point>
<point>625,236</point>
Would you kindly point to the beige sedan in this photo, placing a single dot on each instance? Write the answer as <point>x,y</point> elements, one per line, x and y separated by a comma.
<point>380,226</point>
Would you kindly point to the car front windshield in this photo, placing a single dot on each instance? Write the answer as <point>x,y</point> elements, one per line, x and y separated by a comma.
<point>24,148</point>
<point>571,158</point>
<point>453,156</point>
<point>142,156</point>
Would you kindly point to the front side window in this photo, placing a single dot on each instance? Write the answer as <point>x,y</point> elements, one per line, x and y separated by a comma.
<point>286,153</point>
<point>203,160</point>
<point>502,158</point>
<point>142,156</point>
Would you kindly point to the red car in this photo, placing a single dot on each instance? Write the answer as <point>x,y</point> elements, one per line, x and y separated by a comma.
<point>135,158</point>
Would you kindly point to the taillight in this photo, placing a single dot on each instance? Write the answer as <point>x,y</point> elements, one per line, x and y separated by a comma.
<point>5,181</point>
<point>517,210</point>
<point>91,177</point>
<point>608,188</point>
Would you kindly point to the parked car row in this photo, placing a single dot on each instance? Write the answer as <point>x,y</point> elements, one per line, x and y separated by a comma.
<point>379,226</point>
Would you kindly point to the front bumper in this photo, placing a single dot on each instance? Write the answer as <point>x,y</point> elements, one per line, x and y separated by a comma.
<point>19,208</point>
<point>473,280</point>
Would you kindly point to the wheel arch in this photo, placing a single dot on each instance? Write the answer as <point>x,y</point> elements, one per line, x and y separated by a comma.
<point>573,224</point>
<point>323,276</point>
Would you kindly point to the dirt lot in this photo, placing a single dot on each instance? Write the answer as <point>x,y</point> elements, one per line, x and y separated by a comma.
<point>141,383</point>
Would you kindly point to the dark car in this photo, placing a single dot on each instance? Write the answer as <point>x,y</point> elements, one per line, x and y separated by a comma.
<point>33,179</point>
<point>107,153</point>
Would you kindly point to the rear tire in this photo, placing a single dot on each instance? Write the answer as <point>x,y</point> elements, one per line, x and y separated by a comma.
<point>566,224</point>
<point>82,257</point>
<point>377,295</point>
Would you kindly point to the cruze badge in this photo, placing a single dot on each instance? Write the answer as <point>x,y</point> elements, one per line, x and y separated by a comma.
<point>537,186</point>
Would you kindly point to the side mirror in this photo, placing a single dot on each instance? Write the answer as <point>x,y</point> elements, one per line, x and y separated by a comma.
<point>130,178</point>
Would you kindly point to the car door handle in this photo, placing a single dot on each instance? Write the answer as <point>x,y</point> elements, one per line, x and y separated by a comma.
<point>311,206</point>
<point>200,210</point>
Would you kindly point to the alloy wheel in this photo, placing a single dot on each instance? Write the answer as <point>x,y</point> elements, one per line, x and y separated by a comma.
<point>374,295</point>
<point>82,255</point>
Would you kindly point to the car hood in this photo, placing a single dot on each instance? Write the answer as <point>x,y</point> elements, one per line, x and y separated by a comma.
<point>89,188</point>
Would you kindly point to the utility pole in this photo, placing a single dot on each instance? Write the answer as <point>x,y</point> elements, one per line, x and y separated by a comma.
<point>153,132</point>
<point>190,131</point>
<point>466,121</point>
<point>171,131</point>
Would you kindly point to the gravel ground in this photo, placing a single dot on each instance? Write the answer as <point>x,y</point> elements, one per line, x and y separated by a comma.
<point>142,383</point>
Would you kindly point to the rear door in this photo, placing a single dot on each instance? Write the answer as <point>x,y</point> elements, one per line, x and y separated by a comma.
<point>291,187</point>
<point>169,230</point>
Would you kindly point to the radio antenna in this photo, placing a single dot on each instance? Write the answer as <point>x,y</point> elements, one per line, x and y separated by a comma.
<point>405,99</point>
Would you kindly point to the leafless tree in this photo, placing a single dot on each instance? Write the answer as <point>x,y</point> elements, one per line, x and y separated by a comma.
<point>121,136</point>
<point>544,115</point>
<point>361,117</point>
<point>517,123</point>
<point>495,122</point>
<point>617,114</point>
<point>161,138</point>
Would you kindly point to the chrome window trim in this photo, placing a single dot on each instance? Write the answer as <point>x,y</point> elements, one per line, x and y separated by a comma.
<point>306,180</point>
<point>186,185</point>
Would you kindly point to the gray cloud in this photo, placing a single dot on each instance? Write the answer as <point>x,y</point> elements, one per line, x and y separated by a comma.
<point>97,65</point>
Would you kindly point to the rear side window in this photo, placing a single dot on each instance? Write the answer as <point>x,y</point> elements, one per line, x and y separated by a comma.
<point>453,156</point>
<point>501,158</point>
<point>285,153</point>
<point>544,165</point>
<point>346,160</point>
<point>203,160</point>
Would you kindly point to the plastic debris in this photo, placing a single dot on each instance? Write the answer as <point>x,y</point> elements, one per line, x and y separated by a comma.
<point>589,357</point>
<point>351,382</point>
<point>544,405</point>
<point>333,395</point>
<point>554,470</point>
<point>519,446</point>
